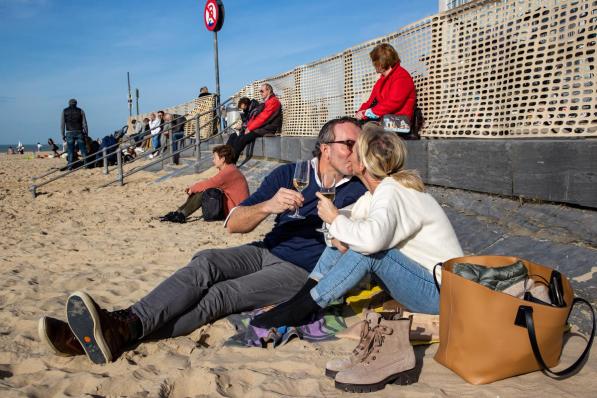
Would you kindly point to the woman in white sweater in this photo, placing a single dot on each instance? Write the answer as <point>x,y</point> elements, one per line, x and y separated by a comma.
<point>395,231</point>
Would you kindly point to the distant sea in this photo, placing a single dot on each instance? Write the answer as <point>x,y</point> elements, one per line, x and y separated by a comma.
<point>28,148</point>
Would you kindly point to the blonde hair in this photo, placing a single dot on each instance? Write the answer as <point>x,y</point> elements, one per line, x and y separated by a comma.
<point>383,154</point>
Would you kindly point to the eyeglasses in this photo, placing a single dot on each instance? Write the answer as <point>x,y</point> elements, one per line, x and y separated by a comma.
<point>349,143</point>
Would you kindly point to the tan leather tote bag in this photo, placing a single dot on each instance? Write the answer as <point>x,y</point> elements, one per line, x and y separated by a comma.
<point>487,335</point>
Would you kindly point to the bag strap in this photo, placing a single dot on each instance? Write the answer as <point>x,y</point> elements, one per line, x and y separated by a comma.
<point>527,312</point>
<point>435,276</point>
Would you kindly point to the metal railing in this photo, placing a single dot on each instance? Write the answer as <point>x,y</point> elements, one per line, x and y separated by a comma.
<point>196,145</point>
<point>107,152</point>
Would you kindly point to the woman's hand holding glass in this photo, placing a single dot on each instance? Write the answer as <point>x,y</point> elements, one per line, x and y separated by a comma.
<point>326,209</point>
<point>327,189</point>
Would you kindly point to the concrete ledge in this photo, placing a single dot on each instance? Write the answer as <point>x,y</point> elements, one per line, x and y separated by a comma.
<point>545,169</point>
<point>417,157</point>
<point>476,165</point>
<point>272,147</point>
<point>559,171</point>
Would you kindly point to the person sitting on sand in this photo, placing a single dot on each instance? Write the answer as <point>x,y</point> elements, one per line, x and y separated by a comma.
<point>229,180</point>
<point>396,231</point>
<point>220,282</point>
<point>53,147</point>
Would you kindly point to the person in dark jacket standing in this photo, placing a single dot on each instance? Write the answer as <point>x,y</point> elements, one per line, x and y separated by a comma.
<point>265,119</point>
<point>73,127</point>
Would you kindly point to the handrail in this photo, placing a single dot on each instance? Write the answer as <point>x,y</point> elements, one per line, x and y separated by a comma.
<point>33,187</point>
<point>54,170</point>
<point>218,107</point>
<point>162,158</point>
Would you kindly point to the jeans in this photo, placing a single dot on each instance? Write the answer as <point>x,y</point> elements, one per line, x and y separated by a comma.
<point>407,281</point>
<point>217,283</point>
<point>155,142</point>
<point>73,137</point>
<point>176,138</point>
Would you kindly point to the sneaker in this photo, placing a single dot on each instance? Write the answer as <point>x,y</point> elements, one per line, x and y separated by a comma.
<point>168,217</point>
<point>178,217</point>
<point>58,336</point>
<point>102,334</point>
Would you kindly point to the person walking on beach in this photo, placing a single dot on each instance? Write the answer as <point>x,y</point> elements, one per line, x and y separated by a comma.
<point>220,282</point>
<point>73,127</point>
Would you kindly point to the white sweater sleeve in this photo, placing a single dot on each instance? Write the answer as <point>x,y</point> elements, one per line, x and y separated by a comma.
<point>387,224</point>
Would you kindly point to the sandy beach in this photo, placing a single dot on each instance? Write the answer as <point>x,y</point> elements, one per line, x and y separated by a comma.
<point>107,241</point>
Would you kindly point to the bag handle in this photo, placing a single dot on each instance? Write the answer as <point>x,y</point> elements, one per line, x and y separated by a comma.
<point>435,276</point>
<point>524,318</point>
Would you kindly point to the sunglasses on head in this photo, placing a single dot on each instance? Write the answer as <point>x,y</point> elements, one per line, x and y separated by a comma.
<point>349,143</point>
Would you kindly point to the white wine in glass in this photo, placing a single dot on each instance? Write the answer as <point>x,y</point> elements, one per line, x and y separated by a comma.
<point>327,189</point>
<point>301,181</point>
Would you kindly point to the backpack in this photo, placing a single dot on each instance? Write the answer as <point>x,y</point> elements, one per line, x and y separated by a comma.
<point>212,204</point>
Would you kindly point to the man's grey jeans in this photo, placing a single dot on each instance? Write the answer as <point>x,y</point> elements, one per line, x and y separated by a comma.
<point>216,283</point>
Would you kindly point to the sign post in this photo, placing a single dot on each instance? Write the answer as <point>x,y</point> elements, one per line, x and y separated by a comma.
<point>213,16</point>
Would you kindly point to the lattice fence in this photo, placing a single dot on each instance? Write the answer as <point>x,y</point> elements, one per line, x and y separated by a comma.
<point>488,69</point>
<point>189,109</point>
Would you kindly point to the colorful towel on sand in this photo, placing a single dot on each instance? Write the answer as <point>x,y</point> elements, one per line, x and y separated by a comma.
<point>323,326</point>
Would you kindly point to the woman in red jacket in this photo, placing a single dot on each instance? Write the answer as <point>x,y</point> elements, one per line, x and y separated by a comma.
<point>394,92</point>
<point>229,180</point>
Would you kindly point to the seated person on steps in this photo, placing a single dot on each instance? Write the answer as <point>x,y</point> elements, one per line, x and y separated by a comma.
<point>229,180</point>
<point>263,119</point>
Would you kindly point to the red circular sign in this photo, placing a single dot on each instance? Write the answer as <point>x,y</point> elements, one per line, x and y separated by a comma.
<point>211,15</point>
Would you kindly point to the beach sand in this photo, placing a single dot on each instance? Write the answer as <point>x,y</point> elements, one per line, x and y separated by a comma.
<point>76,236</point>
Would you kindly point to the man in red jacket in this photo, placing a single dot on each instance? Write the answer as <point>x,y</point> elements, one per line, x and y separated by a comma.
<point>267,119</point>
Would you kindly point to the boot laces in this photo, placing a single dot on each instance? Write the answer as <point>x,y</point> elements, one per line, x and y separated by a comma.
<point>365,340</point>
<point>378,337</point>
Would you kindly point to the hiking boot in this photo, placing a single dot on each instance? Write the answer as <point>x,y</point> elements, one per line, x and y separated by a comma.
<point>359,353</point>
<point>102,334</point>
<point>58,336</point>
<point>389,358</point>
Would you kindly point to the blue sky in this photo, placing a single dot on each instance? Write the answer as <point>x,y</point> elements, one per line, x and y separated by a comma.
<point>53,50</point>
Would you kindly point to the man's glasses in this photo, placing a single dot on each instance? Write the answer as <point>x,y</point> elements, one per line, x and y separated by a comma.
<point>349,143</point>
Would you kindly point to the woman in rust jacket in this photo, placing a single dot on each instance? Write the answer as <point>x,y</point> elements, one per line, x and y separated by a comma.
<point>394,92</point>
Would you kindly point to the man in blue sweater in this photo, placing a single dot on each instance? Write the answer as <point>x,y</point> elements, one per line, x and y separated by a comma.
<point>219,282</point>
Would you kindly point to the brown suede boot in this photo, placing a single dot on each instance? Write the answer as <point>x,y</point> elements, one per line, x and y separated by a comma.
<point>58,336</point>
<point>102,334</point>
<point>360,351</point>
<point>389,356</point>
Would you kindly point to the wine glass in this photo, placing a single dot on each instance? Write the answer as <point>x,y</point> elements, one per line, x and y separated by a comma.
<point>327,189</point>
<point>301,181</point>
